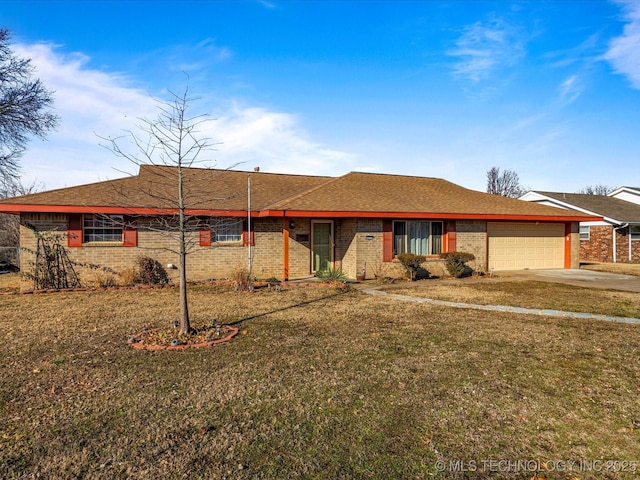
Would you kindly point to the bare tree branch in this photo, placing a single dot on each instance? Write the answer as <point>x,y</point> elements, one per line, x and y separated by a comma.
<point>597,189</point>
<point>506,184</point>
<point>24,107</point>
<point>173,139</point>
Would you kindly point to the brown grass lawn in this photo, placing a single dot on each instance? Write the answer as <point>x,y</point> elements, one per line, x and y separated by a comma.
<point>527,294</point>
<point>325,384</point>
<point>9,282</point>
<point>623,268</point>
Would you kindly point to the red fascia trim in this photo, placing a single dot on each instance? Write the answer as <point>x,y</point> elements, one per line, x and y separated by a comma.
<point>17,208</point>
<point>450,216</point>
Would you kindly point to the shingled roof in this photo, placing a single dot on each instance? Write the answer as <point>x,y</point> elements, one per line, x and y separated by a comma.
<point>369,192</point>
<point>208,191</point>
<point>155,187</point>
<point>616,209</point>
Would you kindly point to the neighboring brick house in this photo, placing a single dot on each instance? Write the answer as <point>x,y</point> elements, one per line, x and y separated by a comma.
<point>299,224</point>
<point>616,238</point>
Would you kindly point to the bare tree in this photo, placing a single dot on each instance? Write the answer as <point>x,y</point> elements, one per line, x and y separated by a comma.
<point>10,224</point>
<point>506,184</point>
<point>24,107</point>
<point>597,189</point>
<point>171,140</point>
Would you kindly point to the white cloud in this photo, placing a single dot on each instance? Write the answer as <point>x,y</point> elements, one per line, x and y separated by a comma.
<point>570,89</point>
<point>624,51</point>
<point>91,102</point>
<point>484,47</point>
<point>275,142</point>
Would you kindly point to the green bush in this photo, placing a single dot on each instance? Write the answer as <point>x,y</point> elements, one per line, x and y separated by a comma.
<point>412,264</point>
<point>456,263</point>
<point>333,275</point>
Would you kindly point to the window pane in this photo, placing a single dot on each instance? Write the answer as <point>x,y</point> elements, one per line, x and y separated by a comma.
<point>399,237</point>
<point>102,228</point>
<point>418,238</point>
<point>635,232</point>
<point>436,238</point>
<point>584,232</point>
<point>226,229</point>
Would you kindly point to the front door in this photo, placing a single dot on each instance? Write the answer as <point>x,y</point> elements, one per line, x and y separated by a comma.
<point>321,246</point>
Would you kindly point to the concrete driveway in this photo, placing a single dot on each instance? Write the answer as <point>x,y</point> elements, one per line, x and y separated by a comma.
<point>581,278</point>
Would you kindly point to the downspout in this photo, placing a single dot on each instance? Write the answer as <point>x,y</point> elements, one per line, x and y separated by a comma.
<point>615,253</point>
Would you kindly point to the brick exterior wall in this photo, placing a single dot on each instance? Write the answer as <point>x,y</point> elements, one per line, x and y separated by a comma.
<point>575,245</point>
<point>346,242</point>
<point>622,247</point>
<point>357,241</point>
<point>203,263</point>
<point>471,237</point>
<point>299,248</point>
<point>599,247</point>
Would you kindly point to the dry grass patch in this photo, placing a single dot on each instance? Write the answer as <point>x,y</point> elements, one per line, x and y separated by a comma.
<point>623,268</point>
<point>325,384</point>
<point>530,294</point>
<point>9,282</point>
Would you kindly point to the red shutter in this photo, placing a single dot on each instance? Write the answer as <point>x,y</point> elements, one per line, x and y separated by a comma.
<point>451,236</point>
<point>205,237</point>
<point>130,233</point>
<point>387,240</point>
<point>74,230</point>
<point>248,237</point>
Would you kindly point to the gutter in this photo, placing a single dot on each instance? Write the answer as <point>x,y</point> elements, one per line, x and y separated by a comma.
<point>615,250</point>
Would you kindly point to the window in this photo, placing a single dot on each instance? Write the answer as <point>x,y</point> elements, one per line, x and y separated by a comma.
<point>102,228</point>
<point>585,232</point>
<point>226,230</point>
<point>634,230</point>
<point>418,237</point>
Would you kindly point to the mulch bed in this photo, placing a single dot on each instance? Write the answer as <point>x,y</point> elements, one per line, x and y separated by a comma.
<point>168,339</point>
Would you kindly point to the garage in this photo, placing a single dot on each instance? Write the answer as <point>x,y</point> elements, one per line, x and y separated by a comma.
<point>518,246</point>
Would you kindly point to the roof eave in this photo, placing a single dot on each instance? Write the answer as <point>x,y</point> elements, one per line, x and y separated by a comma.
<point>112,210</point>
<point>438,215</point>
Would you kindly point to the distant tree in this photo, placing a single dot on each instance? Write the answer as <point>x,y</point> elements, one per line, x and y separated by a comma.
<point>506,184</point>
<point>10,224</point>
<point>24,108</point>
<point>598,189</point>
<point>172,140</point>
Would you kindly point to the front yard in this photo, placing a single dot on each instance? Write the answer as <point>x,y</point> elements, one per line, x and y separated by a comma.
<point>323,384</point>
<point>527,294</point>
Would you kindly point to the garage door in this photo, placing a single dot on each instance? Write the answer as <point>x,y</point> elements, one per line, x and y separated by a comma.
<point>516,246</point>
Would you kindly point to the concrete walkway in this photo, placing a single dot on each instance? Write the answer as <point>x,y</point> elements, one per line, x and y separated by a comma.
<point>583,278</point>
<point>504,308</point>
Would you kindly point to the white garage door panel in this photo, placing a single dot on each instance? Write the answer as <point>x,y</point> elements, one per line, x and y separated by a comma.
<point>516,246</point>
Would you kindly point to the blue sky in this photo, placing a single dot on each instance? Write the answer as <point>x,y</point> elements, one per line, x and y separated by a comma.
<point>440,89</point>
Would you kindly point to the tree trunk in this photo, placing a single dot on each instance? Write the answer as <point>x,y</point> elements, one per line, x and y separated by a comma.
<point>185,324</point>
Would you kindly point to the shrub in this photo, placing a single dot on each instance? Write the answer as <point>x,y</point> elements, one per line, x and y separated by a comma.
<point>152,272</point>
<point>381,272</point>
<point>103,279</point>
<point>412,264</point>
<point>333,275</point>
<point>240,279</point>
<point>129,277</point>
<point>455,263</point>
